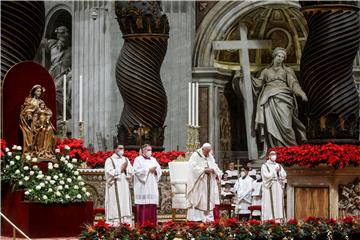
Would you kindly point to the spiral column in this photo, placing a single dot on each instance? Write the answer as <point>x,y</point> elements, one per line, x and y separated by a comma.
<point>145,29</point>
<point>326,71</point>
<point>22,27</point>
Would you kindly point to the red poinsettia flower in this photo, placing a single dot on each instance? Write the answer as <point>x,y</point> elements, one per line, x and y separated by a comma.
<point>254,222</point>
<point>293,222</point>
<point>230,222</point>
<point>348,219</point>
<point>101,224</point>
<point>337,156</point>
<point>191,224</point>
<point>310,219</point>
<point>126,225</point>
<point>97,160</point>
<point>331,221</point>
<point>272,222</point>
<point>149,225</point>
<point>77,148</point>
<point>2,147</point>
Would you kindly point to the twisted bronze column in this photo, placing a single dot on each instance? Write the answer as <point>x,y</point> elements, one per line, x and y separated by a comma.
<point>22,27</point>
<point>145,29</point>
<point>327,71</point>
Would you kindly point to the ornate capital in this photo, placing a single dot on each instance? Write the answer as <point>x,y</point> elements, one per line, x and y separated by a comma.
<point>141,17</point>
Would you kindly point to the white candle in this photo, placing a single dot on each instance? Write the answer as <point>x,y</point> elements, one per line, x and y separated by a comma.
<point>196,104</point>
<point>64,99</point>
<point>80,98</point>
<point>193,105</point>
<point>189,107</point>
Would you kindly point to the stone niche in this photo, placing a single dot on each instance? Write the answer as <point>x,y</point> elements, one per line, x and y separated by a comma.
<point>317,191</point>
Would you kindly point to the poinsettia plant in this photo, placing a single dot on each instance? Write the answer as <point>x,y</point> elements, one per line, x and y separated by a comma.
<point>73,147</point>
<point>97,160</point>
<point>337,156</point>
<point>311,228</point>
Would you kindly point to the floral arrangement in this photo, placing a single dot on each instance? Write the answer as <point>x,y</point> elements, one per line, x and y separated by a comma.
<point>97,160</point>
<point>60,184</point>
<point>77,148</point>
<point>311,228</point>
<point>337,156</point>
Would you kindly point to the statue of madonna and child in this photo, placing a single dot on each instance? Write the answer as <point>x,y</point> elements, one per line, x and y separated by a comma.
<point>35,123</point>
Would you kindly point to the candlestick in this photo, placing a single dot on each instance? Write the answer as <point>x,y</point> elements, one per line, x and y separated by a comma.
<point>80,99</point>
<point>64,99</point>
<point>189,107</point>
<point>193,105</point>
<point>81,130</point>
<point>196,104</point>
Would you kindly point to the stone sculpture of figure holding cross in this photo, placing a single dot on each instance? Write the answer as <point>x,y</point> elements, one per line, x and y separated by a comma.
<point>276,110</point>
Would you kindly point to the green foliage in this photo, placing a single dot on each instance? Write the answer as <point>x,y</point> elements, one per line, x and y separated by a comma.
<point>61,184</point>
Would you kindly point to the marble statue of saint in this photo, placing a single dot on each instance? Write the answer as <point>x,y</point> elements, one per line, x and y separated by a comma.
<point>59,53</point>
<point>276,114</point>
<point>38,132</point>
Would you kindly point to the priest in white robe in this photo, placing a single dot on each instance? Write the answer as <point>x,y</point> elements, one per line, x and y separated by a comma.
<point>202,188</point>
<point>243,189</point>
<point>146,192</point>
<point>274,179</point>
<point>118,173</point>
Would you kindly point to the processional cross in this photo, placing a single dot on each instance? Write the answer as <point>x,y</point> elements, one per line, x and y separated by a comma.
<point>243,46</point>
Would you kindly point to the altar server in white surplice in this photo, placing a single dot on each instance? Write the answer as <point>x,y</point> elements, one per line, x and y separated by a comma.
<point>274,179</point>
<point>233,174</point>
<point>118,173</point>
<point>146,192</point>
<point>243,189</point>
<point>202,189</point>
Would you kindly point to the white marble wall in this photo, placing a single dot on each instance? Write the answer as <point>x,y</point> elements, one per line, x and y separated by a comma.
<point>96,46</point>
<point>176,70</point>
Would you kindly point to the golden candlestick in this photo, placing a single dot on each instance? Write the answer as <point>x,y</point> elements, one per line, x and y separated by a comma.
<point>193,142</point>
<point>140,132</point>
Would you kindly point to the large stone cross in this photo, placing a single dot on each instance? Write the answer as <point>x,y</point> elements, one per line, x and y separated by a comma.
<point>243,46</point>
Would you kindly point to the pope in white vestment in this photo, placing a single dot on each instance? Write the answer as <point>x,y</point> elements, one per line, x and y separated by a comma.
<point>202,188</point>
<point>118,173</point>
<point>243,189</point>
<point>274,179</point>
<point>146,192</point>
